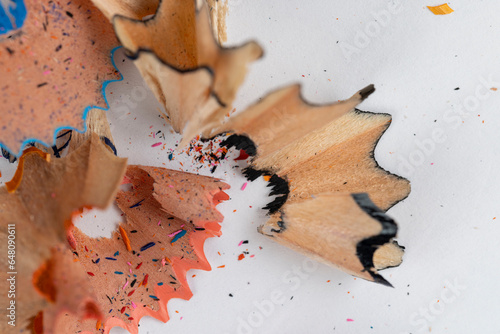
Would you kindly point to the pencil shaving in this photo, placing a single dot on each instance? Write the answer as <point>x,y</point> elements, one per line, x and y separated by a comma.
<point>46,196</point>
<point>218,12</point>
<point>332,148</point>
<point>341,230</point>
<point>443,9</point>
<point>96,123</point>
<point>46,85</point>
<point>144,263</point>
<point>194,78</point>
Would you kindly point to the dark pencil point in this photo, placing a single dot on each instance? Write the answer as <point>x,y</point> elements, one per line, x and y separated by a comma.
<point>367,91</point>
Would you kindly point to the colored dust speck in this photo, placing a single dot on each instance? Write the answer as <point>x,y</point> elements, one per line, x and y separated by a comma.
<point>241,257</point>
<point>349,320</point>
<point>125,238</point>
<point>178,236</point>
<point>137,204</point>
<point>147,246</point>
<point>175,233</point>
<point>243,155</point>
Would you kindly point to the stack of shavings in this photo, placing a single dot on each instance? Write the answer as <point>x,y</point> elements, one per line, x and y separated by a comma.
<point>331,193</point>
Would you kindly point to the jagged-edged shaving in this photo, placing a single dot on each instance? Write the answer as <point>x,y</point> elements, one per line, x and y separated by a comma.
<point>135,273</point>
<point>341,229</point>
<point>194,77</point>
<point>319,150</point>
<point>52,69</point>
<point>41,201</point>
<point>283,117</point>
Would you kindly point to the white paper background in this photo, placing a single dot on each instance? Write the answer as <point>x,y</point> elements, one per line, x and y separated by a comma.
<point>448,282</point>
